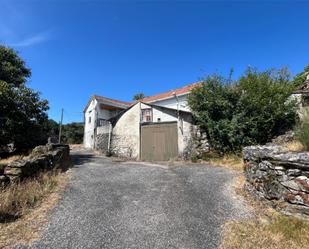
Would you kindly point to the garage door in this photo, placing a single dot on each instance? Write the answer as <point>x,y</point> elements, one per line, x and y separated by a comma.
<point>159,142</point>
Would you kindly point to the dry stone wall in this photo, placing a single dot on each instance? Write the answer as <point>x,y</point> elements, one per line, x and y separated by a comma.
<point>197,144</point>
<point>101,142</point>
<point>42,158</point>
<point>279,176</point>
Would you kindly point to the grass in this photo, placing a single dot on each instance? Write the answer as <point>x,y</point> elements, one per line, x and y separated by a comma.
<point>10,159</point>
<point>278,232</point>
<point>230,161</point>
<point>18,198</point>
<point>294,146</point>
<point>2,168</point>
<point>266,230</point>
<point>23,207</point>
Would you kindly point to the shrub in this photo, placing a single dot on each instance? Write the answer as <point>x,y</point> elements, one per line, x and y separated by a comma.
<point>249,111</point>
<point>302,131</point>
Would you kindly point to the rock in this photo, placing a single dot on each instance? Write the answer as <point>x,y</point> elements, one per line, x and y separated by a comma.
<point>278,175</point>
<point>291,185</point>
<point>303,182</point>
<point>294,172</point>
<point>265,165</point>
<point>287,137</point>
<point>295,199</point>
<point>273,190</point>
<point>42,158</point>
<point>305,178</point>
<point>4,181</point>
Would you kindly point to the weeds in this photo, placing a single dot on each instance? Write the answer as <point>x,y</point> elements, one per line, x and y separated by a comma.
<point>24,207</point>
<point>267,229</point>
<point>278,232</point>
<point>302,134</point>
<point>294,146</point>
<point>231,161</point>
<point>18,198</point>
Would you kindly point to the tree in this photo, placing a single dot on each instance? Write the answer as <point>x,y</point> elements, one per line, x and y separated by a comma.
<point>22,111</point>
<point>301,77</point>
<point>138,96</point>
<point>51,129</point>
<point>251,110</point>
<point>13,70</point>
<point>73,133</point>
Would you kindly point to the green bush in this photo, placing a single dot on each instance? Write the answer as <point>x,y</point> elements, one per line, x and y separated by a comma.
<point>73,133</point>
<point>251,110</point>
<point>302,130</point>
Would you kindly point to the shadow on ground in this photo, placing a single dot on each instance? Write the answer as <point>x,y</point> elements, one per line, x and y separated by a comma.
<point>80,159</point>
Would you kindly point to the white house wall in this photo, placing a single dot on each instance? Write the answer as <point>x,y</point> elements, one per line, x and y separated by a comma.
<point>163,116</point>
<point>172,103</point>
<point>89,126</point>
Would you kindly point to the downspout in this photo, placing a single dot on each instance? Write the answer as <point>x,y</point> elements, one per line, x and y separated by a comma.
<point>95,127</point>
<point>140,132</point>
<point>84,137</point>
<point>177,104</point>
<point>178,116</point>
<point>109,137</point>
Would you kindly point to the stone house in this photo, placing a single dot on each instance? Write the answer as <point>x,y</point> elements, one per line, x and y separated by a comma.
<point>158,127</point>
<point>301,95</point>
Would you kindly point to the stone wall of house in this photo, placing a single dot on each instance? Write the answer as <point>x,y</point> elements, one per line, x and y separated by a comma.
<point>102,137</point>
<point>42,158</point>
<point>279,176</point>
<point>197,144</point>
<point>101,142</point>
<point>125,140</point>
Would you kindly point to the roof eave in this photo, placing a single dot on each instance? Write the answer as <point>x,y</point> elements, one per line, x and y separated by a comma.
<point>169,97</point>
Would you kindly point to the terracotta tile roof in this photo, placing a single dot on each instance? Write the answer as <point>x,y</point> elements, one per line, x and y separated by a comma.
<point>112,100</point>
<point>166,95</point>
<point>150,99</point>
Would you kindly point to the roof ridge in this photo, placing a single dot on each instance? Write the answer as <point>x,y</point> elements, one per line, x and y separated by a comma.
<point>167,94</point>
<point>163,95</point>
<point>112,100</point>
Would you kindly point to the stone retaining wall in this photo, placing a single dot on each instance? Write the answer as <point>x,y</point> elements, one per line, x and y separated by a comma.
<point>42,158</point>
<point>279,176</point>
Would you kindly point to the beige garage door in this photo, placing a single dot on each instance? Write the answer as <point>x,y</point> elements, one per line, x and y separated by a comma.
<point>159,142</point>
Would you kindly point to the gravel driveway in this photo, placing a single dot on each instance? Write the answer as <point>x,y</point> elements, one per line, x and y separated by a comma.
<point>134,205</point>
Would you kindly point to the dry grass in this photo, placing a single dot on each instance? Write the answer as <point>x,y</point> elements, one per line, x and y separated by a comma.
<point>76,146</point>
<point>11,159</point>
<point>267,230</point>
<point>294,146</point>
<point>231,161</point>
<point>276,232</point>
<point>23,207</point>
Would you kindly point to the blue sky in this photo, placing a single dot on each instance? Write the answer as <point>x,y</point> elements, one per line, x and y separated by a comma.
<point>118,48</point>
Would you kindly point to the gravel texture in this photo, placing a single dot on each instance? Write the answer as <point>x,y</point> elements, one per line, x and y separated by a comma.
<point>134,205</point>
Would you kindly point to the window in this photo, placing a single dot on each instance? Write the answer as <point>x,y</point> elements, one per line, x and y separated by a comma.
<point>89,120</point>
<point>147,115</point>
